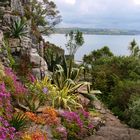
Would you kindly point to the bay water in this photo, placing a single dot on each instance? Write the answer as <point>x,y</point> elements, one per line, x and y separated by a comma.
<point>118,44</point>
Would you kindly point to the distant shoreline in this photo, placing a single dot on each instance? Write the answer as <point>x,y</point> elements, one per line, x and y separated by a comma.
<point>104,34</point>
<point>91,31</point>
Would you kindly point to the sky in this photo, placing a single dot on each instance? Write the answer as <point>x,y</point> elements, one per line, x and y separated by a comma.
<point>114,14</point>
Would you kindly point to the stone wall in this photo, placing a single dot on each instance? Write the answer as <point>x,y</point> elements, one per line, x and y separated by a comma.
<point>25,44</point>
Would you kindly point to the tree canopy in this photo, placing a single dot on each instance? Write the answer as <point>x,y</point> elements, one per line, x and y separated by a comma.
<point>75,40</point>
<point>43,14</point>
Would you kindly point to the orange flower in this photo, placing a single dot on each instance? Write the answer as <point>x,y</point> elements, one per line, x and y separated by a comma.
<point>38,136</point>
<point>50,115</point>
<point>35,118</point>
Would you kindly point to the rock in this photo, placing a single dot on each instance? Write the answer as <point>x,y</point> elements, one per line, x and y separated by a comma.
<point>84,101</point>
<point>116,133</point>
<point>14,42</point>
<point>6,19</point>
<point>97,121</point>
<point>97,104</point>
<point>8,8</point>
<point>26,43</point>
<point>4,3</point>
<point>33,50</point>
<point>36,72</point>
<point>13,50</point>
<point>41,49</point>
<point>15,18</point>
<point>16,5</point>
<point>2,9</point>
<point>1,36</point>
<point>18,49</point>
<point>35,59</point>
<point>44,64</point>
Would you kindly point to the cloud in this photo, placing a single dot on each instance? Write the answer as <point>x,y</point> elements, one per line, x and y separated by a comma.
<point>71,2</point>
<point>100,13</point>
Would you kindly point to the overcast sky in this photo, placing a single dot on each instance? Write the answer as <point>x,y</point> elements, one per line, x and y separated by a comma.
<point>117,14</point>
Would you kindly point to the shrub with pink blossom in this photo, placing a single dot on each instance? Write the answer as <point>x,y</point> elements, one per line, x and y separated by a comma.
<point>5,102</point>
<point>6,131</point>
<point>13,83</point>
<point>77,124</point>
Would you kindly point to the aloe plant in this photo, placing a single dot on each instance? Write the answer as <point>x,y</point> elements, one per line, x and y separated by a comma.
<point>18,29</point>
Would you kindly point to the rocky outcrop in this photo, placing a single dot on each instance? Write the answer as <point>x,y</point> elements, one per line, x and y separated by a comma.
<point>11,11</point>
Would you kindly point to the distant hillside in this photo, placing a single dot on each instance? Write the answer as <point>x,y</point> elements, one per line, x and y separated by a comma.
<point>98,31</point>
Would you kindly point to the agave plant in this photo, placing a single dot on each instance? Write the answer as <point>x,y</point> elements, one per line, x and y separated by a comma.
<point>62,99</point>
<point>67,77</point>
<point>18,29</point>
<point>64,75</point>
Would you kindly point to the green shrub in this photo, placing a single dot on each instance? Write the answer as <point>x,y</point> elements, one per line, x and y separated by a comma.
<point>134,113</point>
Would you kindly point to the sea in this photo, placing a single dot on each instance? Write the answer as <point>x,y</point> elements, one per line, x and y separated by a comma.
<point>118,44</point>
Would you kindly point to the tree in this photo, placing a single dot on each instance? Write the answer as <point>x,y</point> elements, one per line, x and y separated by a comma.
<point>97,54</point>
<point>75,40</point>
<point>43,14</point>
<point>134,49</point>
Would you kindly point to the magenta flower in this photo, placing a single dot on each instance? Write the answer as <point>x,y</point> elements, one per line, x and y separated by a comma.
<point>31,78</point>
<point>62,131</point>
<point>19,88</point>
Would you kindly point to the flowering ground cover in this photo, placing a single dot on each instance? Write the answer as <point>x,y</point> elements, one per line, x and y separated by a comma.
<point>19,111</point>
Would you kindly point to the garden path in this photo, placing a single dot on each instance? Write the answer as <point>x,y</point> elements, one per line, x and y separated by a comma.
<point>113,128</point>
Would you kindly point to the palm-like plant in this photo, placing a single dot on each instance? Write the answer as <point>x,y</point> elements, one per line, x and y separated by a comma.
<point>134,49</point>
<point>18,29</point>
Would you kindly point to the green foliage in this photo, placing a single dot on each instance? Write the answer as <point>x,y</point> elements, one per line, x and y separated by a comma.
<point>53,58</point>
<point>117,77</point>
<point>9,55</point>
<point>134,112</point>
<point>75,40</point>
<point>66,80</point>
<point>18,29</point>
<point>63,99</point>
<point>39,92</point>
<point>18,121</point>
<point>43,14</point>
<point>66,75</point>
<point>120,96</point>
<point>36,97</point>
<point>97,54</point>
<point>134,49</point>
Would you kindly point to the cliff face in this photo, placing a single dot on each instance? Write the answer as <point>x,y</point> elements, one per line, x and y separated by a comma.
<point>11,11</point>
